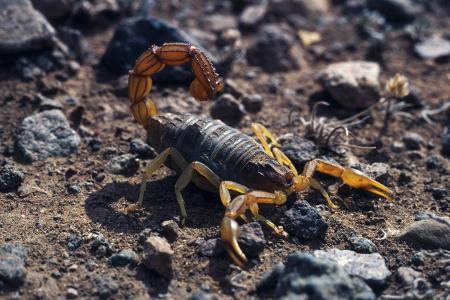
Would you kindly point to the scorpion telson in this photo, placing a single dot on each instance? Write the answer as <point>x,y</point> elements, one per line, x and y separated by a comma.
<point>215,156</point>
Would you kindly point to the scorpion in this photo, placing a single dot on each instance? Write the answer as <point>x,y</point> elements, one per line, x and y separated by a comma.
<point>215,156</point>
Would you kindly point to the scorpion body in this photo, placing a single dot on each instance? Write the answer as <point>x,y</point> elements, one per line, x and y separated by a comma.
<point>215,156</point>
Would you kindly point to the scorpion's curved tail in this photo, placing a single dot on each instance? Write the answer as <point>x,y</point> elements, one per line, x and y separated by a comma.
<point>206,84</point>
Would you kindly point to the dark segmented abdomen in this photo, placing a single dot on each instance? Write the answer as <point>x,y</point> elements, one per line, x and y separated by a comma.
<point>223,149</point>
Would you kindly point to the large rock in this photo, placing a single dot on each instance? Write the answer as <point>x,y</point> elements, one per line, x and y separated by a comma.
<point>12,264</point>
<point>251,239</point>
<point>305,277</point>
<point>354,84</point>
<point>53,9</point>
<point>370,267</point>
<point>46,134</point>
<point>298,149</point>
<point>430,233</point>
<point>22,28</point>
<point>135,35</point>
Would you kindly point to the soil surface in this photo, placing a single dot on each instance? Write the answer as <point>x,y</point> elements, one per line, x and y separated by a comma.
<point>63,196</point>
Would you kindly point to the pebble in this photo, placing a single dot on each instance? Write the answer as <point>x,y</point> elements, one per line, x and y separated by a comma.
<point>378,171</point>
<point>22,28</point>
<point>212,248</point>
<point>298,149</point>
<point>100,246</point>
<point>73,242</point>
<point>95,144</point>
<point>252,16</point>
<point>406,275</point>
<point>362,245</point>
<point>141,149</point>
<point>47,103</point>
<point>253,103</point>
<point>201,295</point>
<point>45,134</point>
<point>273,51</point>
<point>304,276</point>
<point>124,258</point>
<point>105,287</point>
<point>396,11</point>
<point>73,190</point>
<point>227,109</point>
<point>10,178</point>
<point>170,230</point>
<point>158,256</point>
<point>126,165</point>
<point>412,141</point>
<point>71,293</point>
<point>134,35</point>
<point>78,47</point>
<point>370,267</point>
<point>434,162</point>
<point>353,84</point>
<point>430,233</point>
<point>251,239</point>
<point>218,23</point>
<point>433,48</point>
<point>12,264</point>
<point>303,221</point>
<point>299,7</point>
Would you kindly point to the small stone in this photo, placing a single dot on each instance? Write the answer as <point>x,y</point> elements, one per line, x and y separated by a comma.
<point>407,275</point>
<point>396,11</point>
<point>362,245</point>
<point>12,264</point>
<point>90,265</point>
<point>212,248</point>
<point>299,7</point>
<point>413,141</point>
<point>141,149</point>
<point>48,104</point>
<point>227,109</point>
<point>370,267</point>
<point>200,295</point>
<point>252,16</point>
<point>22,28</point>
<point>95,144</point>
<point>298,149</point>
<point>124,258</point>
<point>101,246</point>
<point>304,222</point>
<point>378,171</point>
<point>73,268</point>
<point>446,142</point>
<point>397,146</point>
<point>219,23</point>
<point>73,242</point>
<point>170,230</point>
<point>431,233</point>
<point>71,293</point>
<point>433,48</point>
<point>158,256</point>
<point>251,239</point>
<point>273,51</point>
<point>10,178</point>
<point>434,162</point>
<point>46,134</point>
<point>253,103</point>
<point>354,84</point>
<point>74,190</point>
<point>125,164</point>
<point>106,287</point>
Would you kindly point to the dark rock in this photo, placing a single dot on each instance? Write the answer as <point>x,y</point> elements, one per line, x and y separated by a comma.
<point>431,233</point>
<point>378,171</point>
<point>273,51</point>
<point>124,258</point>
<point>438,193</point>
<point>212,248</point>
<point>396,11</point>
<point>170,230</point>
<point>412,141</point>
<point>158,256</point>
<point>298,149</point>
<point>47,103</point>
<point>354,84</point>
<point>218,23</point>
<point>303,221</point>
<point>305,277</point>
<point>73,242</point>
<point>77,45</point>
<point>298,8</point>
<point>135,35</point>
<point>407,275</point>
<point>12,264</point>
<point>251,239</point>
<point>434,162</point>
<point>125,164</point>
<point>10,178</point>
<point>200,295</point>
<point>73,190</point>
<point>433,48</point>
<point>101,247</point>
<point>95,144</point>
<point>227,109</point>
<point>141,149</point>
<point>22,28</point>
<point>362,245</point>
<point>446,142</point>
<point>71,293</point>
<point>370,267</point>
<point>53,9</point>
<point>45,134</point>
<point>106,287</point>
<point>253,103</point>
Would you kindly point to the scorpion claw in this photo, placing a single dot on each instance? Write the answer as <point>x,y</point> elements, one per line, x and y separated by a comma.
<point>357,179</point>
<point>229,231</point>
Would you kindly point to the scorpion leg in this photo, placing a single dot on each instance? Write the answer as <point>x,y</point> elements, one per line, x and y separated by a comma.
<point>154,165</point>
<point>186,177</point>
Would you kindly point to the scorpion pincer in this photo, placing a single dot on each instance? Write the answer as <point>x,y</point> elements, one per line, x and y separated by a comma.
<point>215,156</point>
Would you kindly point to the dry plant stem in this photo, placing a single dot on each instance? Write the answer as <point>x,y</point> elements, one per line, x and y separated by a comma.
<point>387,118</point>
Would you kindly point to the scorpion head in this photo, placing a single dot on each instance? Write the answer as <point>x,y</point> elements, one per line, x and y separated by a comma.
<point>272,176</point>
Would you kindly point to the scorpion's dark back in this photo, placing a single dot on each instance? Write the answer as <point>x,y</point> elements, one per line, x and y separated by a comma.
<point>226,151</point>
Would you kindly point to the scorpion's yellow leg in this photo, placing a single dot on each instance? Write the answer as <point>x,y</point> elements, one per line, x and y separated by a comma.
<point>154,165</point>
<point>186,177</point>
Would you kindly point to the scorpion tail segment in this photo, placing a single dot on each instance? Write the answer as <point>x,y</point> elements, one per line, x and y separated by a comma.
<point>207,82</point>
<point>357,179</point>
<point>229,231</point>
<point>143,110</point>
<point>149,63</point>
